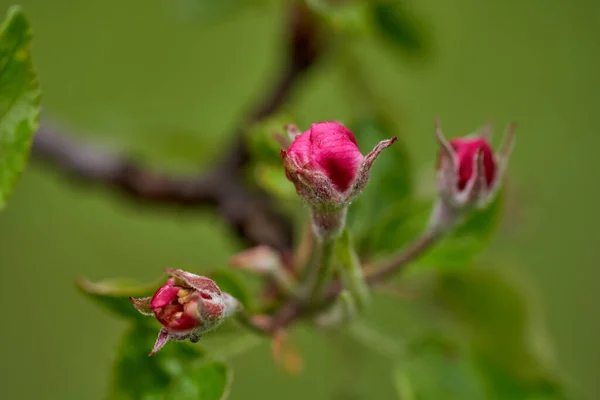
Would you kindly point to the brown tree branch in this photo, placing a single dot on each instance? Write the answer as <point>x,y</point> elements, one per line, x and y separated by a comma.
<point>249,212</point>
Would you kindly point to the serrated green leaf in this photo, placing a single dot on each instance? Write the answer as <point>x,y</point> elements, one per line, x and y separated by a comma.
<point>397,26</point>
<point>19,99</point>
<point>113,294</point>
<point>493,314</point>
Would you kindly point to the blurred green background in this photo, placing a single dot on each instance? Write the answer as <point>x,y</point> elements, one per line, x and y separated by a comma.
<point>156,79</point>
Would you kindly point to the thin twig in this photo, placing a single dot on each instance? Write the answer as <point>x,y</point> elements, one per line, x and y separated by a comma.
<point>396,264</point>
<point>249,212</point>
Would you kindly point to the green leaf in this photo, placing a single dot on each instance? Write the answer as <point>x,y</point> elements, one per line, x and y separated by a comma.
<point>389,185</point>
<point>210,381</point>
<point>179,371</point>
<point>137,376</point>
<point>113,294</point>
<point>406,221</point>
<point>394,23</point>
<point>438,372</point>
<point>19,99</point>
<point>458,249</point>
<point>492,312</point>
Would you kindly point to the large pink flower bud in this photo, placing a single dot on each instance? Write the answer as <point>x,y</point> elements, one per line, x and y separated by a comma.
<point>328,171</point>
<point>187,305</point>
<point>469,172</point>
<point>326,165</point>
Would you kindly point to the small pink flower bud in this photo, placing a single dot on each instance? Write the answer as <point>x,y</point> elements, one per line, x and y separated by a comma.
<point>187,305</point>
<point>266,261</point>
<point>469,172</point>
<point>326,165</point>
<point>466,150</point>
<point>260,259</point>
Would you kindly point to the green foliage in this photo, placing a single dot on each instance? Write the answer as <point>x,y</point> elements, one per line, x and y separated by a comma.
<point>480,341</point>
<point>493,317</point>
<point>113,295</point>
<point>458,249</point>
<point>402,222</point>
<point>211,10</point>
<point>349,17</point>
<point>208,381</point>
<point>487,345</point>
<point>436,372</point>
<point>19,99</point>
<point>397,26</point>
<point>176,372</point>
<point>266,170</point>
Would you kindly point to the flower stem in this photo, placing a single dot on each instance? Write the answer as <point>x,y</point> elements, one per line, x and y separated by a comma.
<point>443,219</point>
<point>284,281</point>
<point>321,270</point>
<point>352,273</point>
<point>328,223</point>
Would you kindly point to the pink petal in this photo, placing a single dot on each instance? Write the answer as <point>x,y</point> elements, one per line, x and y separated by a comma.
<point>466,149</point>
<point>300,150</point>
<point>165,295</point>
<point>335,151</point>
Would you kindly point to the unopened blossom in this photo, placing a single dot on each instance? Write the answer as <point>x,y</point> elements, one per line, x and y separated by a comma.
<point>187,306</point>
<point>469,171</point>
<point>326,165</point>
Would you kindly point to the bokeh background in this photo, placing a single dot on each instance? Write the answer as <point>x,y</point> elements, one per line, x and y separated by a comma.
<point>159,80</point>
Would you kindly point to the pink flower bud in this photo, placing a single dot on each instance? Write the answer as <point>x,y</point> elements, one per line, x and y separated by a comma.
<point>261,259</point>
<point>187,305</point>
<point>466,149</point>
<point>326,165</point>
<point>469,172</point>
